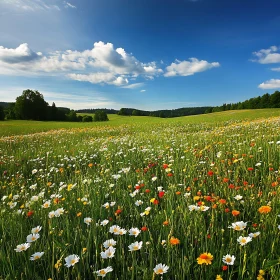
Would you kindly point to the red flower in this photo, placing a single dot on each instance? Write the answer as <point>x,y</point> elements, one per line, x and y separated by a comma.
<point>225,267</point>
<point>144,228</point>
<point>165,165</point>
<point>210,173</point>
<point>250,168</point>
<point>147,191</point>
<point>118,211</point>
<point>161,194</point>
<point>30,213</point>
<point>156,202</point>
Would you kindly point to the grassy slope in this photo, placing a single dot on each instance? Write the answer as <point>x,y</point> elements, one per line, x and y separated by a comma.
<point>16,127</point>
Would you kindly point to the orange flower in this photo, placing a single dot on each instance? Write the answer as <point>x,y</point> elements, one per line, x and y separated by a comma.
<point>264,209</point>
<point>144,228</point>
<point>235,213</point>
<point>178,193</point>
<point>222,201</point>
<point>205,258</point>
<point>90,165</point>
<point>165,223</point>
<point>174,241</point>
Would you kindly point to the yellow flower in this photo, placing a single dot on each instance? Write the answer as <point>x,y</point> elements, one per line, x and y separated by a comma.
<point>218,277</point>
<point>261,272</point>
<point>195,198</point>
<point>205,258</point>
<point>152,200</point>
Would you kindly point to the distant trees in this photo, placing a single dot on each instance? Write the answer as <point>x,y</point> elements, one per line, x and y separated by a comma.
<point>100,116</point>
<point>2,114</point>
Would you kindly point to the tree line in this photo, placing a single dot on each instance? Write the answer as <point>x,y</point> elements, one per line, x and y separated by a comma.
<point>32,106</point>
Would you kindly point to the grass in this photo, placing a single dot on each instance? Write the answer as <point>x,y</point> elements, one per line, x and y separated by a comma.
<point>185,183</point>
<point>17,127</point>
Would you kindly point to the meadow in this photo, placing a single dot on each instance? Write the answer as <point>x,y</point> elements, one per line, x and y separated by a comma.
<point>141,198</point>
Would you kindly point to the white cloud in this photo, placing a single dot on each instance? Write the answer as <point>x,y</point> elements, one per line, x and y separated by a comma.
<point>69,5</point>
<point>132,86</point>
<point>101,64</point>
<point>29,5</point>
<point>275,69</point>
<point>142,90</point>
<point>267,56</point>
<point>271,84</point>
<point>187,68</point>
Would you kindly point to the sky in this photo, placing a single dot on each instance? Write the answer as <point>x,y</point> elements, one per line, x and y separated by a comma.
<point>144,54</point>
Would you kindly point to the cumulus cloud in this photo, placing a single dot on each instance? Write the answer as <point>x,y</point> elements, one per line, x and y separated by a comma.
<point>101,64</point>
<point>267,56</point>
<point>19,55</point>
<point>271,84</point>
<point>187,68</point>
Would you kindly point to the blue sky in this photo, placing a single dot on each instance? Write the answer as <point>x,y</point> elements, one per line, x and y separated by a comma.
<point>145,54</point>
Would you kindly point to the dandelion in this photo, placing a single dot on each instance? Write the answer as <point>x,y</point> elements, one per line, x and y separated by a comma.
<point>264,209</point>
<point>36,256</point>
<point>161,268</point>
<point>135,246</point>
<point>244,240</point>
<point>71,260</point>
<point>102,272</point>
<point>109,243</point>
<point>205,258</point>
<point>109,253</point>
<point>134,232</point>
<point>22,247</point>
<point>228,259</point>
<point>87,220</point>
<point>32,237</point>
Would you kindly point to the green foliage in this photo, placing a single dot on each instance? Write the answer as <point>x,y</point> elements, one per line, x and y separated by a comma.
<point>2,114</point>
<point>31,106</point>
<point>100,116</point>
<point>71,116</point>
<point>87,118</point>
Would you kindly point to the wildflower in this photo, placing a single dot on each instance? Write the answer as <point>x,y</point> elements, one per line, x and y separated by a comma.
<point>161,194</point>
<point>71,260</point>
<point>46,204</point>
<point>22,247</point>
<point>109,253</point>
<point>104,222</point>
<point>58,212</point>
<point>109,243</point>
<point>254,234</point>
<point>144,228</point>
<point>114,229</point>
<point>36,256</point>
<point>165,223</point>
<point>134,231</point>
<point>244,240</point>
<point>238,197</point>
<point>204,208</point>
<point>224,267</point>
<point>193,208</point>
<point>51,214</point>
<point>228,259</point>
<point>87,220</point>
<point>135,246</point>
<point>238,226</point>
<point>32,237</point>
<point>122,231</point>
<point>34,171</point>
<point>218,277</point>
<point>264,209</point>
<point>138,202</point>
<point>154,178</point>
<point>235,213</point>
<point>102,272</point>
<point>161,268</point>
<point>36,229</point>
<point>174,241</point>
<point>205,258</point>
<point>30,213</point>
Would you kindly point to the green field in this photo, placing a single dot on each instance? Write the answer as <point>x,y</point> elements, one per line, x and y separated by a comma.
<point>200,194</point>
